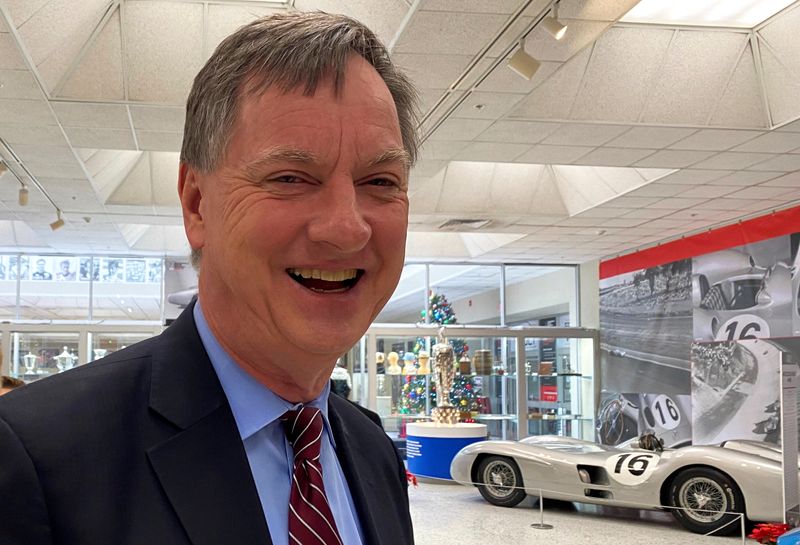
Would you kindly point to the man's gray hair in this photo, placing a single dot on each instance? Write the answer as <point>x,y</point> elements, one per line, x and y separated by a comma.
<point>289,50</point>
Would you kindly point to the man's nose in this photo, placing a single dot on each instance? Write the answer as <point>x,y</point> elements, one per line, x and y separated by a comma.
<point>339,221</point>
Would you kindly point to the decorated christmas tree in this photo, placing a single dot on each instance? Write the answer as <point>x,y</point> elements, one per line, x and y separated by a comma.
<point>464,392</point>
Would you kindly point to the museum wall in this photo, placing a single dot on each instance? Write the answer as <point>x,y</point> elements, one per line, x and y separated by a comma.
<point>694,332</point>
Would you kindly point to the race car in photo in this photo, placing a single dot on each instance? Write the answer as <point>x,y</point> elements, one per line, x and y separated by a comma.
<point>704,487</point>
<point>735,298</point>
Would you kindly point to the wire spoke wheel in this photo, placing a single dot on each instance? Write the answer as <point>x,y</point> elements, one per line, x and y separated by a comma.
<point>499,478</point>
<point>500,481</point>
<point>704,499</point>
<point>707,501</point>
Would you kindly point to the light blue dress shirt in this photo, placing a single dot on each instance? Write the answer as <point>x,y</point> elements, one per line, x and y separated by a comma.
<point>257,411</point>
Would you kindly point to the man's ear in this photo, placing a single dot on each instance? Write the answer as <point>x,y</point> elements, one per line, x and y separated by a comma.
<point>191,196</point>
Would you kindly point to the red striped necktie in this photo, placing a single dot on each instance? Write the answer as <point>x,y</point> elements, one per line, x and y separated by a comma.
<point>310,517</point>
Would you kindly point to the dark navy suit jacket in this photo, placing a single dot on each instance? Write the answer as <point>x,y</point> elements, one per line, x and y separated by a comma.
<point>142,448</point>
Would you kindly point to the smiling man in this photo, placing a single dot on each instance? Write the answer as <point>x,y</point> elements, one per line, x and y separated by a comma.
<point>293,181</point>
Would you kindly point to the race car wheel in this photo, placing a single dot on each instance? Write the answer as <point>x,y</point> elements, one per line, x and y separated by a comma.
<point>501,481</point>
<point>705,498</point>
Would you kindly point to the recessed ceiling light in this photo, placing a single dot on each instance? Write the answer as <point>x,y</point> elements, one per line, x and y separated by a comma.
<point>730,13</point>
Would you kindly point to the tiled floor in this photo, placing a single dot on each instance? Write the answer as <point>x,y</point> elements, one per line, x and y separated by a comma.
<point>452,514</point>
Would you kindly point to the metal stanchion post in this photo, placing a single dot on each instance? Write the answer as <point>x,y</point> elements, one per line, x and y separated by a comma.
<point>744,532</point>
<point>541,525</point>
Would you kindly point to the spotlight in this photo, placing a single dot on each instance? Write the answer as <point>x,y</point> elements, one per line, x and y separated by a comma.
<point>23,195</point>
<point>59,223</point>
<point>522,63</point>
<point>3,168</point>
<point>554,27</point>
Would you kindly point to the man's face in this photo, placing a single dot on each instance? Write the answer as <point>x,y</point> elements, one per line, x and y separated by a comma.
<point>65,267</point>
<point>304,221</point>
<point>40,265</point>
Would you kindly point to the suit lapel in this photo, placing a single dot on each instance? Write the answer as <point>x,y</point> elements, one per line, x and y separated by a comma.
<point>368,498</point>
<point>203,467</point>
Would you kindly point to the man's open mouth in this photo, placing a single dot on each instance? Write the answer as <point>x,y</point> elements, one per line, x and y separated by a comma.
<point>326,281</point>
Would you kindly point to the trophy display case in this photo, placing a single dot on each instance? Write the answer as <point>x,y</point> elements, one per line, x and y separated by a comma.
<point>485,363</point>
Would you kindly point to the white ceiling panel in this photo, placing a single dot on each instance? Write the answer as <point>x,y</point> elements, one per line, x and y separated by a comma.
<point>781,35</point>
<point>92,115</point>
<point>553,155</point>
<point>741,105</point>
<point>18,84</point>
<point>578,134</point>
<point>620,74</point>
<point>460,129</point>
<point>164,172</point>
<point>792,126</point>
<point>717,140</point>
<point>692,176</point>
<point>162,57</point>
<point>676,203</point>
<point>614,157</point>
<point>787,180</point>
<point>24,112</point>
<point>41,153</point>
<point>650,137</point>
<point>55,170</point>
<point>553,98</point>
<point>10,57</point>
<point>761,192</point>
<point>782,86</point>
<point>732,160</point>
<point>157,118</point>
<point>785,163</point>
<point>774,142</point>
<point>472,6</point>
<point>646,213</point>
<point>480,105</point>
<point>491,151</point>
<point>673,159</point>
<point>744,178</point>
<point>98,76</point>
<point>159,141</point>
<point>441,151</point>
<point>679,95</point>
<point>709,191</point>
<point>658,190</point>
<point>432,71</point>
<point>88,137</point>
<point>440,33</point>
<point>519,132</point>
<point>46,135</point>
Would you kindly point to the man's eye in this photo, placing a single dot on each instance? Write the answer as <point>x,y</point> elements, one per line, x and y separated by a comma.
<point>383,182</point>
<point>287,179</point>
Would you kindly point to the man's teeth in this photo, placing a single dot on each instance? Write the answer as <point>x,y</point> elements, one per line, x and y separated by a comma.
<point>328,276</point>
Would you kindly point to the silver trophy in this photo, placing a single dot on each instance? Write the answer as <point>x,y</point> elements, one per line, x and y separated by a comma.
<point>444,365</point>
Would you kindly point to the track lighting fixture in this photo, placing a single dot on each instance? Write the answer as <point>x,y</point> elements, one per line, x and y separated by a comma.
<point>23,195</point>
<point>522,63</point>
<point>553,26</point>
<point>59,223</point>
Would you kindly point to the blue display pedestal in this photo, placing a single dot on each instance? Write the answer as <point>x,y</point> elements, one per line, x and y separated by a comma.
<point>792,537</point>
<point>430,447</point>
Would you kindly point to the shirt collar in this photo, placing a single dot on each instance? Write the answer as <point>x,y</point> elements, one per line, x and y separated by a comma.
<point>254,406</point>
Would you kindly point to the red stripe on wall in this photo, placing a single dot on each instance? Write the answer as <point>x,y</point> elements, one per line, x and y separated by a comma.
<point>776,224</point>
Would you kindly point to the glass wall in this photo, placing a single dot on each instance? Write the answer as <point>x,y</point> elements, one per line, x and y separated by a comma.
<point>106,343</point>
<point>80,288</point>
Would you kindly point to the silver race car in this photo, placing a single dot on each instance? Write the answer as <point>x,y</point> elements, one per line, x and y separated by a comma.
<point>707,483</point>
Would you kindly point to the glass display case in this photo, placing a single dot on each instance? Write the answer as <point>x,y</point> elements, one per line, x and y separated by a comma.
<point>38,355</point>
<point>556,397</point>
